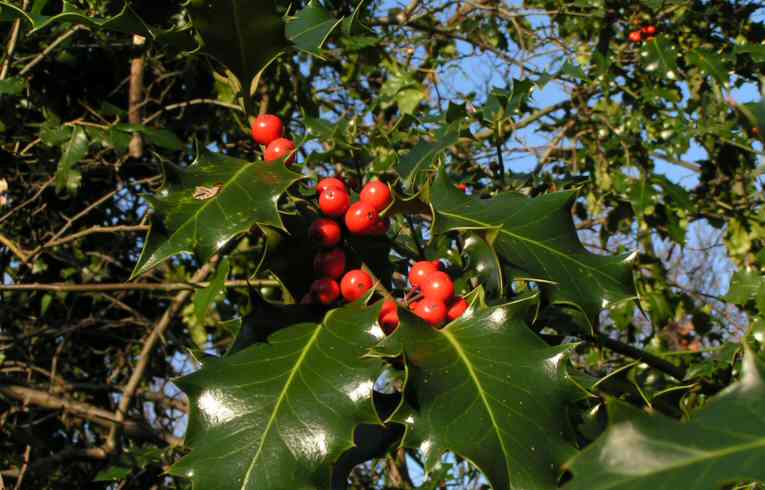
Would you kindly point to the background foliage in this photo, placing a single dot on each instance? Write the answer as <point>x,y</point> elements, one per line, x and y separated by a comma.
<point>543,107</point>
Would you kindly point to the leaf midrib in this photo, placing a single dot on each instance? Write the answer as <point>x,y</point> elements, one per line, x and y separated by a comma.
<point>502,229</point>
<point>707,455</point>
<point>474,376</point>
<point>279,401</point>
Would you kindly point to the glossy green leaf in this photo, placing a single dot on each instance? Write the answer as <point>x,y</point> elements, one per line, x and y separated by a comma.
<point>424,154</point>
<point>127,21</point>
<point>311,27</point>
<point>159,136</point>
<point>537,235</point>
<point>756,51</point>
<point>71,153</point>
<point>113,473</point>
<point>277,415</point>
<point>724,442</point>
<point>744,285</point>
<point>208,203</point>
<point>243,35</point>
<point>660,57</point>
<point>482,259</point>
<point>711,64</point>
<point>487,388</point>
<point>205,296</point>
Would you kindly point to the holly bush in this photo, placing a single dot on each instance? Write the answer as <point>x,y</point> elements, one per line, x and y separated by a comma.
<point>285,245</point>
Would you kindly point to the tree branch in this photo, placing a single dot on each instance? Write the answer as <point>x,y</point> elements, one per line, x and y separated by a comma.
<point>131,286</point>
<point>662,365</point>
<point>86,411</point>
<point>135,96</point>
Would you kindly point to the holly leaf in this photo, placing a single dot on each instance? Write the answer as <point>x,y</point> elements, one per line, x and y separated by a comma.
<point>246,36</point>
<point>74,150</point>
<point>487,388</point>
<point>126,21</point>
<point>311,27</point>
<point>722,443</point>
<point>660,56</point>
<point>711,64</point>
<point>206,204</point>
<point>482,259</point>
<point>277,415</point>
<point>744,285</point>
<point>421,158</point>
<point>203,297</point>
<point>537,236</point>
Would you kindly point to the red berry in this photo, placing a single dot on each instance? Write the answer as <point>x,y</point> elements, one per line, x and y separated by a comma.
<point>330,263</point>
<point>266,128</point>
<point>432,311</point>
<point>437,286</point>
<point>325,231</point>
<point>437,263</point>
<point>457,308</point>
<point>280,148</point>
<point>413,305</point>
<point>334,202</point>
<point>361,218</point>
<point>649,30</point>
<point>389,316</point>
<point>419,271</point>
<point>330,183</point>
<point>377,194</point>
<point>325,290</point>
<point>355,284</point>
<point>635,36</point>
<point>462,187</point>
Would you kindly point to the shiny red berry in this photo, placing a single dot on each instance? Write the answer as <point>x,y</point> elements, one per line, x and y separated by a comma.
<point>280,148</point>
<point>266,128</point>
<point>456,308</point>
<point>649,30</point>
<point>330,263</point>
<point>432,311</point>
<point>334,202</point>
<point>438,264</point>
<point>325,290</point>
<point>389,316</point>
<point>355,284</point>
<point>437,286</point>
<point>462,187</point>
<point>635,36</point>
<point>377,194</point>
<point>326,232</point>
<point>361,218</point>
<point>330,183</point>
<point>413,305</point>
<point>419,271</point>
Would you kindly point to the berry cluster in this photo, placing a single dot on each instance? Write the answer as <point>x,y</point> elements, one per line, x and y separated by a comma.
<point>268,130</point>
<point>361,218</point>
<point>436,301</point>
<point>644,33</point>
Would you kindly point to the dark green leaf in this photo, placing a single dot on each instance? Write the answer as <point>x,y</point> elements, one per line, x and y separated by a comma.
<point>724,442</point>
<point>744,285</point>
<point>241,195</point>
<point>660,56</point>
<point>537,235</point>
<point>421,158</point>
<point>482,259</point>
<point>311,27</point>
<point>12,86</point>
<point>487,388</point>
<point>127,21</point>
<point>113,473</point>
<point>243,35</point>
<point>276,415</point>
<point>710,63</point>
<point>160,137</point>
<point>204,297</point>
<point>71,154</point>
<point>572,70</point>
<point>756,51</point>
